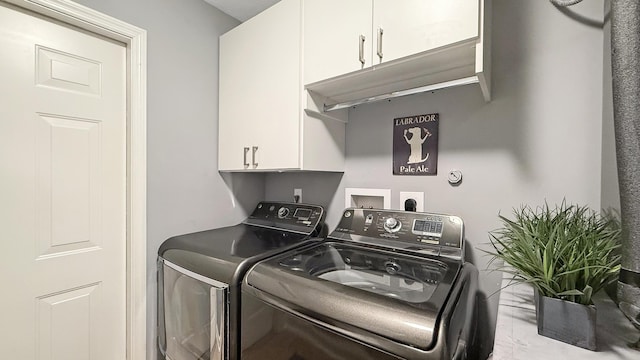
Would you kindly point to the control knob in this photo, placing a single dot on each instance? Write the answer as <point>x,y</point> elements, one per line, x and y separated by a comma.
<point>392,224</point>
<point>283,212</point>
<point>392,267</point>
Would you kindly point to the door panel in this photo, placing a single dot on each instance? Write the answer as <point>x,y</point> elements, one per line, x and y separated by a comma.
<point>63,213</point>
<point>259,86</point>
<point>64,324</point>
<point>67,72</point>
<point>68,162</point>
<point>331,33</point>
<point>277,135</point>
<point>413,26</point>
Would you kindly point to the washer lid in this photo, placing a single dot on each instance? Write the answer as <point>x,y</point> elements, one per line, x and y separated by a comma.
<point>399,297</point>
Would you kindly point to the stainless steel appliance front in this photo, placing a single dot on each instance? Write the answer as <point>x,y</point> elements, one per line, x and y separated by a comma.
<point>385,285</point>
<point>199,277</point>
<point>196,313</point>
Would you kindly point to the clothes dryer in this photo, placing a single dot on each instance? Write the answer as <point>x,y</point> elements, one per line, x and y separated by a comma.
<point>199,277</point>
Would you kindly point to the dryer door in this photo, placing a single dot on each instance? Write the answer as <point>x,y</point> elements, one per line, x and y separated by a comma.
<point>193,314</point>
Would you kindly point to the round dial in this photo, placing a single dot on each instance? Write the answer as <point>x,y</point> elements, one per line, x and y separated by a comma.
<point>392,224</point>
<point>283,212</point>
<point>454,177</point>
<point>392,267</point>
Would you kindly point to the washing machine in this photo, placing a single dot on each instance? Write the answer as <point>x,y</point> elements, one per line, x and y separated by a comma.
<point>199,277</point>
<point>384,285</point>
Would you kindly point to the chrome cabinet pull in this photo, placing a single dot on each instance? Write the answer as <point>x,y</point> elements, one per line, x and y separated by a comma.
<point>246,163</point>
<point>380,32</point>
<point>361,47</point>
<point>253,156</point>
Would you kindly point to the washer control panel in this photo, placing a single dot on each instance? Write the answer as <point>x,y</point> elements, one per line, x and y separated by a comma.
<point>288,216</point>
<point>403,228</point>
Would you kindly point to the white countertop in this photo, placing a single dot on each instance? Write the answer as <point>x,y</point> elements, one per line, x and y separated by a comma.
<point>517,334</point>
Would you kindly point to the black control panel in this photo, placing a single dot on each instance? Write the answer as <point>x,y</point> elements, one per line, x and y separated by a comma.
<point>408,228</point>
<point>302,218</point>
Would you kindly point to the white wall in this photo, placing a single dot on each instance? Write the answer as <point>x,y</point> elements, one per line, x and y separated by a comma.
<point>539,139</point>
<point>185,191</point>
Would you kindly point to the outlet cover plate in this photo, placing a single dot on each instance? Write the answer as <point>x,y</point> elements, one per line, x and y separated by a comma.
<point>418,196</point>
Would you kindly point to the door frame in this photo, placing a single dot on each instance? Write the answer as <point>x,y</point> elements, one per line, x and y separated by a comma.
<point>135,40</point>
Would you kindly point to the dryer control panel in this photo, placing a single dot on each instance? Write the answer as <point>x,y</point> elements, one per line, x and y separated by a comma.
<point>433,233</point>
<point>303,218</point>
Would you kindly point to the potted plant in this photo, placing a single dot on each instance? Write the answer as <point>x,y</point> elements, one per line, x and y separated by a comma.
<point>567,253</point>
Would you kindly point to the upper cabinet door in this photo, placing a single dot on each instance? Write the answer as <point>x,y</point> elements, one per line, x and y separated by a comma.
<point>332,33</point>
<point>260,91</point>
<point>410,27</point>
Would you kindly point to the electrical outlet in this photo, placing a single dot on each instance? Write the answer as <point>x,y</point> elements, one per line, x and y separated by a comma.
<point>297,195</point>
<point>418,196</point>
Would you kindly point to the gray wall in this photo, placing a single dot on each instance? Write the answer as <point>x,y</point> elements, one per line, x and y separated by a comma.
<point>538,139</point>
<point>185,191</point>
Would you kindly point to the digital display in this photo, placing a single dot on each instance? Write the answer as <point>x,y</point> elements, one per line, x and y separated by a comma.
<point>302,214</point>
<point>432,227</point>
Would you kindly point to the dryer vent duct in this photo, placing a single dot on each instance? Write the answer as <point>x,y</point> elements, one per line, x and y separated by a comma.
<point>565,2</point>
<point>625,60</point>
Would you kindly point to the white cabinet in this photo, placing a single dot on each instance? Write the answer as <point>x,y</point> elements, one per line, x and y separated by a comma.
<point>259,122</point>
<point>334,33</point>
<point>412,45</point>
<point>345,36</point>
<point>408,27</point>
<point>284,72</point>
<point>263,125</point>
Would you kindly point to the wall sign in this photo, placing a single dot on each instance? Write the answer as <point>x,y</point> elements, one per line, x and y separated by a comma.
<point>415,145</point>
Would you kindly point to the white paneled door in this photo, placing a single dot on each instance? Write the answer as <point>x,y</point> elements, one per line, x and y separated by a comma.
<point>62,191</point>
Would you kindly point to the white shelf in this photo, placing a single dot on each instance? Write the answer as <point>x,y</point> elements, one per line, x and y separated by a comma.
<point>433,67</point>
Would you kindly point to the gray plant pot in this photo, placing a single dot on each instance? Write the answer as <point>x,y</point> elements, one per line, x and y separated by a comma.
<point>566,321</point>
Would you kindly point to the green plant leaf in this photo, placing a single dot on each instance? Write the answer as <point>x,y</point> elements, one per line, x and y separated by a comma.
<point>588,291</point>
<point>567,251</point>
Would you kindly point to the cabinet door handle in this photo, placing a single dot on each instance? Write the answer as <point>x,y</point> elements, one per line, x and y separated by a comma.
<point>246,163</point>
<point>380,32</point>
<point>361,48</point>
<point>253,156</point>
